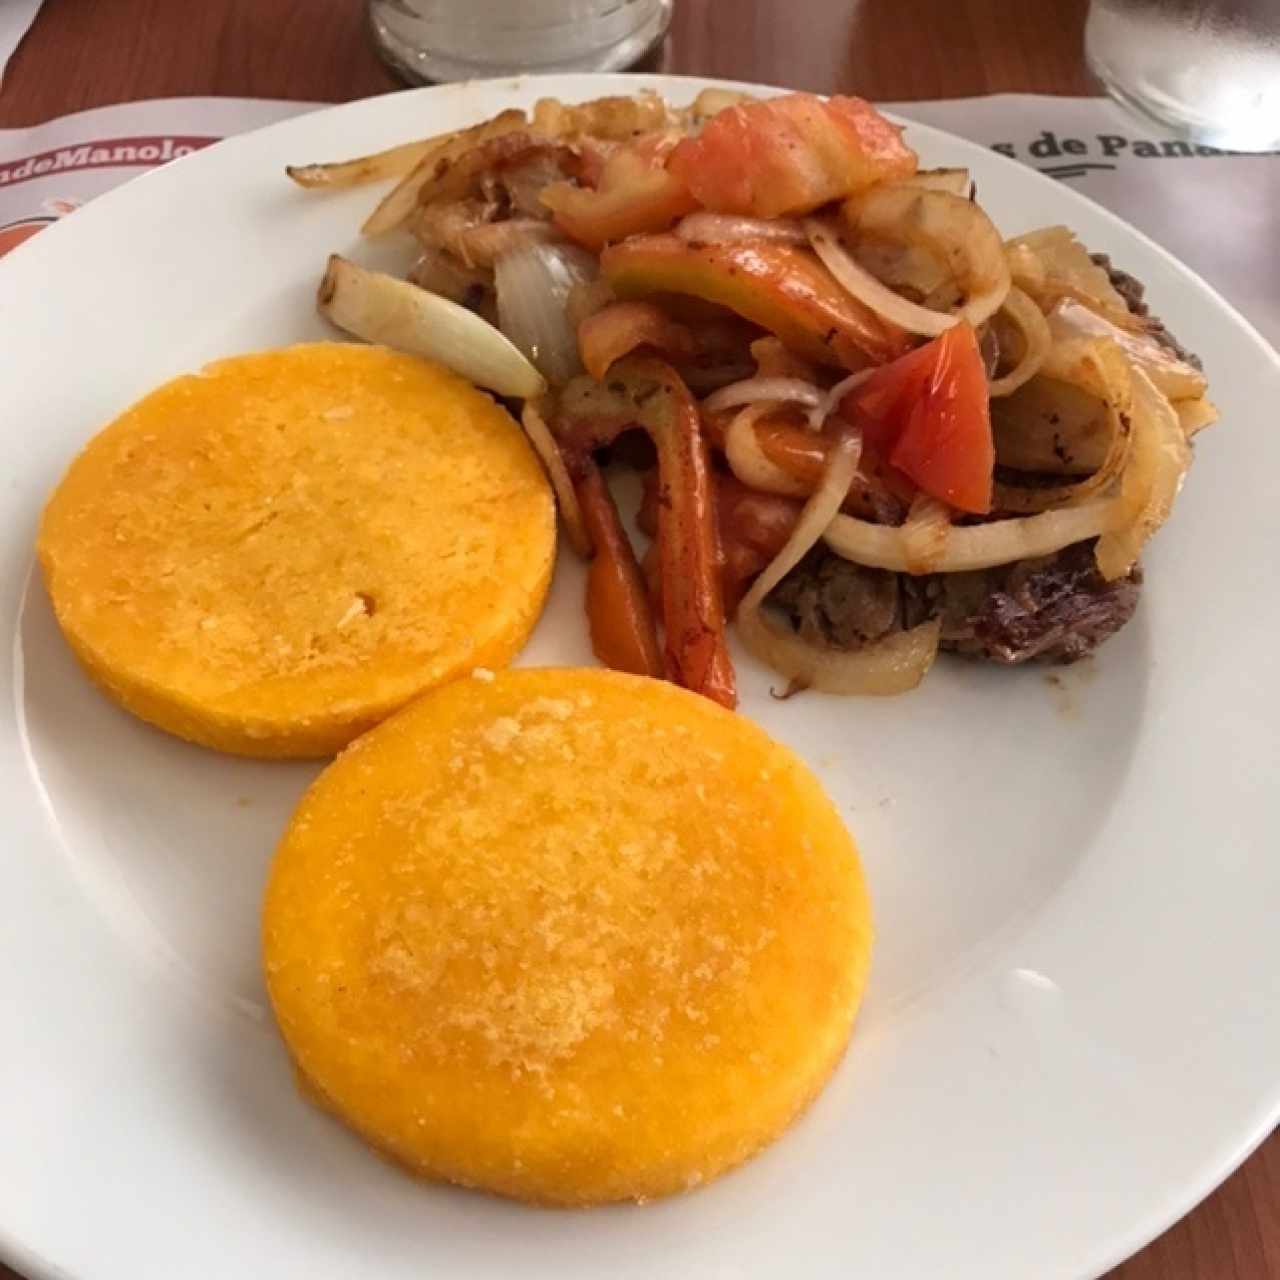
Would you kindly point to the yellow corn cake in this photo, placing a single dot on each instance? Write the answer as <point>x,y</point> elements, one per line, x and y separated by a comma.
<point>567,936</point>
<point>271,555</point>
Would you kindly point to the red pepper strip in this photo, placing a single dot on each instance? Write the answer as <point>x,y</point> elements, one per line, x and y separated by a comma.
<point>753,528</point>
<point>623,634</point>
<point>647,392</point>
<point>783,289</point>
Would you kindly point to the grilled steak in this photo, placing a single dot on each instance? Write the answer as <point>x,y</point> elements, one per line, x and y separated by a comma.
<point>1054,609</point>
<point>1131,289</point>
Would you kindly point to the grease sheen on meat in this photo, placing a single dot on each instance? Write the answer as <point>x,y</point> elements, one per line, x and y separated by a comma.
<point>1053,609</point>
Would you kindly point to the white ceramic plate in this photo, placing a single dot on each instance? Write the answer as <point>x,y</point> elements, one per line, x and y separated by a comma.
<point>1073,1027</point>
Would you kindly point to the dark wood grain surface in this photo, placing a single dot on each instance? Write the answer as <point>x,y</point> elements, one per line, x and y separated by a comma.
<point>88,53</point>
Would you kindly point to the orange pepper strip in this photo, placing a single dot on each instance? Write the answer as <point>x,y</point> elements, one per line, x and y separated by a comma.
<point>623,634</point>
<point>783,289</point>
<point>753,528</point>
<point>647,392</point>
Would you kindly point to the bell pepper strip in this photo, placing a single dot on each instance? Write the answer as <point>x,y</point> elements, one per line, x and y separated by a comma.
<point>753,528</point>
<point>647,513</point>
<point>623,633</point>
<point>783,289</point>
<point>646,392</point>
<point>635,193</point>
<point>651,567</point>
<point>928,413</point>
<point>878,492</point>
<point>789,155</point>
<point>555,465</point>
<point>618,329</point>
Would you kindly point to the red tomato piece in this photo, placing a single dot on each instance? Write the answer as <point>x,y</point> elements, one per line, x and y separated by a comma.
<point>789,155</point>
<point>928,412</point>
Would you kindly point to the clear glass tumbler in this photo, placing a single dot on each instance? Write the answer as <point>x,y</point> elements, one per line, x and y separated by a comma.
<point>1209,69</point>
<point>425,40</point>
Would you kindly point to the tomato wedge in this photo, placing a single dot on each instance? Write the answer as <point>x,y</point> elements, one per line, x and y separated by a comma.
<point>635,193</point>
<point>789,155</point>
<point>928,413</point>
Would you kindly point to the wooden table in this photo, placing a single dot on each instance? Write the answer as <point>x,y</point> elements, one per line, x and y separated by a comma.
<point>81,55</point>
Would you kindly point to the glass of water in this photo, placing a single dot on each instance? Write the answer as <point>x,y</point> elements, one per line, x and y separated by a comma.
<point>427,40</point>
<point>1209,69</point>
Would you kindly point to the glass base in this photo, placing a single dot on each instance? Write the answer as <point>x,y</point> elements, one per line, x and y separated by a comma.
<point>416,64</point>
<point>1222,138</point>
<point>1209,72</point>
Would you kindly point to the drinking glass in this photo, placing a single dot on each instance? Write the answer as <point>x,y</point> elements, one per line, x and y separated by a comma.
<point>1208,69</point>
<point>459,39</point>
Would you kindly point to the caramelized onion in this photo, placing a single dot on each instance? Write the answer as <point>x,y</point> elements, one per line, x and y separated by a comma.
<point>380,308</point>
<point>1176,378</point>
<point>925,534</point>
<point>438,271</point>
<point>1158,463</point>
<point>956,182</point>
<point>951,228</point>
<point>544,445</point>
<point>1098,368</point>
<point>1051,264</point>
<point>748,461</point>
<point>1196,414</point>
<point>483,245</point>
<point>533,283</point>
<point>854,277</point>
<point>892,665</point>
<point>979,546</point>
<point>1036,341</point>
<point>831,401</point>
<point>769,390</point>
